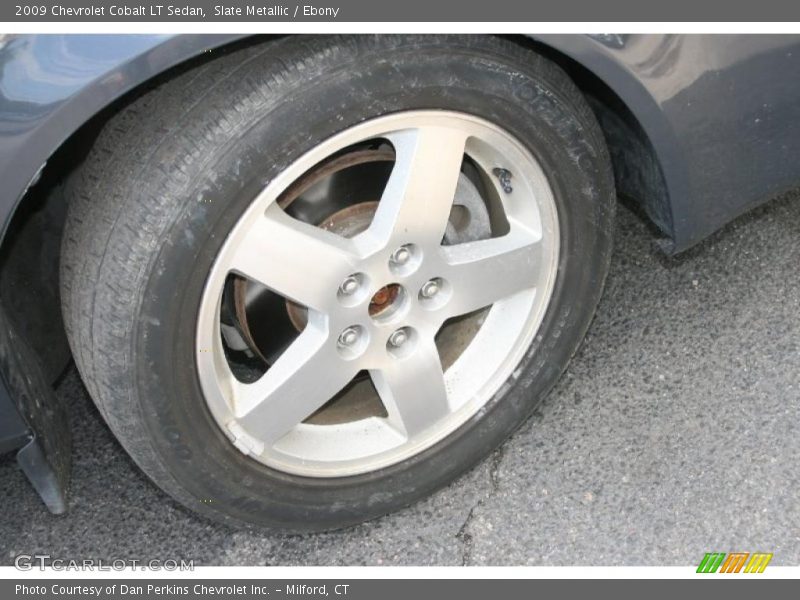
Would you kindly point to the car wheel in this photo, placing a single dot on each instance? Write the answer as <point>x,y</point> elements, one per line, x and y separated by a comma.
<point>311,281</point>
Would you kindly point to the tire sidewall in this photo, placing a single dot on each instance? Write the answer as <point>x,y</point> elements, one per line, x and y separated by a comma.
<point>534,102</point>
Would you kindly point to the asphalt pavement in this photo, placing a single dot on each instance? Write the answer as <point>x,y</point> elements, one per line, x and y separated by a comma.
<point>673,433</point>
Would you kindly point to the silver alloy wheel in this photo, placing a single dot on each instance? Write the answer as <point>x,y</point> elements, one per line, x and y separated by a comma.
<point>335,277</point>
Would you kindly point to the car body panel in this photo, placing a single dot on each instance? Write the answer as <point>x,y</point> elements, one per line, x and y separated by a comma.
<point>50,85</point>
<point>722,113</point>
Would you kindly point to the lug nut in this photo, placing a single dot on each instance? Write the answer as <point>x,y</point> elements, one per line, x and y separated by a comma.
<point>401,256</point>
<point>349,285</point>
<point>398,338</point>
<point>348,337</point>
<point>430,289</point>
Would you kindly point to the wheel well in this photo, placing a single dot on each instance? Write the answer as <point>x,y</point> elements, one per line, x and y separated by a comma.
<point>30,251</point>
<point>637,171</point>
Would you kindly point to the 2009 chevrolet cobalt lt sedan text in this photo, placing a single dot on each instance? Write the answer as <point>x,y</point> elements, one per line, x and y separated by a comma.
<point>309,280</point>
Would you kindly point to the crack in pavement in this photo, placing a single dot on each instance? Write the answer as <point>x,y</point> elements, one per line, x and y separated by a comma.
<point>463,534</point>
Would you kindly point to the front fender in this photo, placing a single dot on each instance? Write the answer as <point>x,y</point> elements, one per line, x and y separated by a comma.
<point>50,85</point>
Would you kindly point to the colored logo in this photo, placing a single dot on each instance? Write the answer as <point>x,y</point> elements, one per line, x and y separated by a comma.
<point>735,562</point>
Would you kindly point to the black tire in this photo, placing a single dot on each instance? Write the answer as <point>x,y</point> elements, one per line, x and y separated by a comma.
<point>170,174</point>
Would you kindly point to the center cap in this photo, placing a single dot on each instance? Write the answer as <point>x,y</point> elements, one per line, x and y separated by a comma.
<point>388,302</point>
<point>384,298</point>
